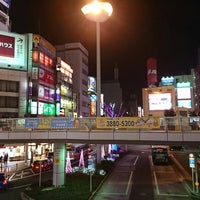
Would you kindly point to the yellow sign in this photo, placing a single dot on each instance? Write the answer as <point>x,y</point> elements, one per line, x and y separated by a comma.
<point>57,161</point>
<point>197,184</point>
<point>127,122</point>
<point>45,123</point>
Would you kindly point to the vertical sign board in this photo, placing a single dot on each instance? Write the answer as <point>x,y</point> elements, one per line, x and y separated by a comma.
<point>191,160</point>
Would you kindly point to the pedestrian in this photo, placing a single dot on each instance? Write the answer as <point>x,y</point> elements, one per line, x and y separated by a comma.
<point>5,159</point>
<point>1,159</point>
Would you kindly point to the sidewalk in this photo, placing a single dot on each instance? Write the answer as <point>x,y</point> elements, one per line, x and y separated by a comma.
<point>12,166</point>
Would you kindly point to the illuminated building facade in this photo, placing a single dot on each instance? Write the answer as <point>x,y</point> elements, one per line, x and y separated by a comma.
<point>65,98</point>
<point>175,93</point>
<point>41,76</point>
<point>4,15</point>
<point>13,75</point>
<point>77,57</point>
<point>92,95</point>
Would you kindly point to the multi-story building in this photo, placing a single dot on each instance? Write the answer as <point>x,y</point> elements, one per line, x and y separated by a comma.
<point>13,75</point>
<point>4,15</point>
<point>65,98</point>
<point>175,93</point>
<point>41,76</point>
<point>77,57</point>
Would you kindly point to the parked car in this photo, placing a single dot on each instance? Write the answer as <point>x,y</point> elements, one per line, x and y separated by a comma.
<point>46,164</point>
<point>3,181</point>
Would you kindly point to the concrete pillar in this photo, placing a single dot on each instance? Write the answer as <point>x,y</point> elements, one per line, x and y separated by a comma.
<point>126,147</point>
<point>59,164</point>
<point>26,152</point>
<point>99,154</point>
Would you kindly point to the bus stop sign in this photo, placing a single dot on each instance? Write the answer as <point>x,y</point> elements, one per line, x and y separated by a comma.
<point>191,160</point>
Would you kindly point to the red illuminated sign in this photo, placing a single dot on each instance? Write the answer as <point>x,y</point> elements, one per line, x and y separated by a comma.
<point>7,46</point>
<point>46,76</point>
<point>151,71</point>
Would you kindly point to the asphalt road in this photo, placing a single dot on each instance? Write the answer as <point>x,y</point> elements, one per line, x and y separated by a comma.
<point>136,178</point>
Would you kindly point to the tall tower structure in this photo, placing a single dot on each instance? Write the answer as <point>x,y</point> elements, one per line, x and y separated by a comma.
<point>152,79</point>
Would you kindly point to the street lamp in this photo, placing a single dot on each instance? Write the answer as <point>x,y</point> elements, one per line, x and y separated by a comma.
<point>98,12</point>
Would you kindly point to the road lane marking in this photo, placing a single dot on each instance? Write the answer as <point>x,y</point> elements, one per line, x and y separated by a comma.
<point>156,183</point>
<point>174,195</point>
<point>136,160</point>
<point>129,182</point>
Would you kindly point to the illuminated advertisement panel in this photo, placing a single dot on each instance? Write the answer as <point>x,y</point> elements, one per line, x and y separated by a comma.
<point>46,77</point>
<point>92,108</point>
<point>43,108</point>
<point>167,80</point>
<point>42,44</point>
<point>185,103</point>
<point>91,84</point>
<point>66,91</point>
<point>65,103</point>
<point>45,93</point>
<point>12,51</point>
<point>160,101</point>
<point>46,109</point>
<point>183,93</point>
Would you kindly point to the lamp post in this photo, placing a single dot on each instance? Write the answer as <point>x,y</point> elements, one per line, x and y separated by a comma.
<point>98,12</point>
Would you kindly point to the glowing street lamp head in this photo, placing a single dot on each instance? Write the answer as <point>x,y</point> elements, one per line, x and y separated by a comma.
<point>97,11</point>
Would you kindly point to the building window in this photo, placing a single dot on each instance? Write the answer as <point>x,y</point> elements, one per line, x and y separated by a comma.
<point>9,86</point>
<point>2,102</point>
<point>2,85</point>
<point>84,82</point>
<point>9,102</point>
<point>84,72</point>
<point>12,86</point>
<point>12,102</point>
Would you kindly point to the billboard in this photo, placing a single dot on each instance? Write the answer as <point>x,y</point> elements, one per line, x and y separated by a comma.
<point>160,101</point>
<point>46,77</point>
<point>45,93</point>
<point>13,51</point>
<point>187,103</point>
<point>91,84</point>
<point>167,80</point>
<point>41,108</point>
<point>42,44</point>
<point>183,93</point>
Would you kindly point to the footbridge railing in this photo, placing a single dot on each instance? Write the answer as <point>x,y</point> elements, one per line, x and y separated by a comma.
<point>101,129</point>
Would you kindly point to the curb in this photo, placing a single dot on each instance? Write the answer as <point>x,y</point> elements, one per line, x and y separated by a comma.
<point>186,177</point>
<point>102,182</point>
<point>25,197</point>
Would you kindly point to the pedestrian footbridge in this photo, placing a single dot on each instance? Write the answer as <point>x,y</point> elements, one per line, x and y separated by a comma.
<point>134,130</point>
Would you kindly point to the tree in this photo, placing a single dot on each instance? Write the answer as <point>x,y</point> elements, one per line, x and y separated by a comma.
<point>169,113</point>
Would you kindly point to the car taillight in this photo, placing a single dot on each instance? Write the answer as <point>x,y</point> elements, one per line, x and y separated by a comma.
<point>5,181</point>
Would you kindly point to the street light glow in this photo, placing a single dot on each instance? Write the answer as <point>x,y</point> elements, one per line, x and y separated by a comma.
<point>97,11</point>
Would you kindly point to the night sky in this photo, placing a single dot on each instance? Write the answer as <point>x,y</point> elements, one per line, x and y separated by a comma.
<point>168,30</point>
